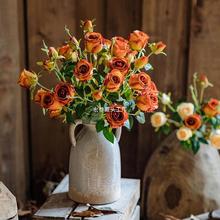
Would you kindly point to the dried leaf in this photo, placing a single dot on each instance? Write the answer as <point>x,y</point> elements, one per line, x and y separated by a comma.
<point>94,212</point>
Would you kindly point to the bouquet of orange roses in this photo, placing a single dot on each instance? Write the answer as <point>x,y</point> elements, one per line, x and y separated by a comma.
<point>196,122</point>
<point>100,81</point>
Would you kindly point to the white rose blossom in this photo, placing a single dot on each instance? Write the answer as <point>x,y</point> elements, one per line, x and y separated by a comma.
<point>184,134</point>
<point>185,109</point>
<point>158,119</point>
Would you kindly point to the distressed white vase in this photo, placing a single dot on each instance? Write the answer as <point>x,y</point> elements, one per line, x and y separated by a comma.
<point>94,166</point>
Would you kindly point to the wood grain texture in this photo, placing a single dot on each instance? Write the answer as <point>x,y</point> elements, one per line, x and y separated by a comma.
<point>13,169</point>
<point>168,21</point>
<point>123,17</point>
<point>204,42</point>
<point>58,206</point>
<point>50,140</point>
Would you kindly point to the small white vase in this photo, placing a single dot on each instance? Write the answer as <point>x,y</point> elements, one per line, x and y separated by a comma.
<point>94,166</point>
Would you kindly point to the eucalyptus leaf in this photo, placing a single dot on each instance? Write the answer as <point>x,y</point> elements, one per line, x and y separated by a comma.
<point>141,118</point>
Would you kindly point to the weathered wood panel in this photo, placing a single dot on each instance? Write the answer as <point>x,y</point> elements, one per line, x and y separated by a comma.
<point>50,141</point>
<point>205,42</point>
<point>123,17</point>
<point>168,21</point>
<point>13,169</point>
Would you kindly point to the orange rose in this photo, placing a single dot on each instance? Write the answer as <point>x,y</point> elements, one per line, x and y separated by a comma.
<point>44,98</point>
<point>113,80</point>
<point>55,110</point>
<point>148,101</point>
<point>159,47</point>
<point>83,70</point>
<point>193,121</point>
<point>211,108</point>
<point>141,62</point>
<point>87,26</point>
<point>120,47</point>
<point>116,116</point>
<point>64,93</point>
<point>93,42</point>
<point>119,64</point>
<point>138,40</point>
<point>97,95</point>
<point>27,79</point>
<point>139,81</point>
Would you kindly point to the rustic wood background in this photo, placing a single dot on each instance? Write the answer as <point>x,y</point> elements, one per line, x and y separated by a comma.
<point>34,148</point>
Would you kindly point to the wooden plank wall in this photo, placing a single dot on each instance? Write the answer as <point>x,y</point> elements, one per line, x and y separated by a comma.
<point>188,27</point>
<point>13,110</point>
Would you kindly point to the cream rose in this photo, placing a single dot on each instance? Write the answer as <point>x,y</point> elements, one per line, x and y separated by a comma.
<point>158,119</point>
<point>215,139</point>
<point>183,133</point>
<point>165,99</point>
<point>185,109</point>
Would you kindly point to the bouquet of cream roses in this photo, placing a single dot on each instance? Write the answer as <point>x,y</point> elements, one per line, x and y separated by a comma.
<point>99,81</point>
<point>196,122</point>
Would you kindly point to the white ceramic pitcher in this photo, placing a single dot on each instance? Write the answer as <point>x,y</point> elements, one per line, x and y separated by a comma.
<point>94,167</point>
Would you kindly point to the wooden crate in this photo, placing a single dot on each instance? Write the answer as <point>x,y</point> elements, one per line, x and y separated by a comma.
<point>59,206</point>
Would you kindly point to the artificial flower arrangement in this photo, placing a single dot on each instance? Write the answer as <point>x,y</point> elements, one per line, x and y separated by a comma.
<point>196,122</point>
<point>98,80</point>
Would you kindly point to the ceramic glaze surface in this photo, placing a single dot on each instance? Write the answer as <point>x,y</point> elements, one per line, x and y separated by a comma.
<point>95,167</point>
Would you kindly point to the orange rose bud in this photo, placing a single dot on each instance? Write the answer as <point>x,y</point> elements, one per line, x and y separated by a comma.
<point>211,109</point>
<point>65,51</point>
<point>93,42</point>
<point>204,81</point>
<point>193,121</point>
<point>83,70</point>
<point>107,43</point>
<point>138,40</point>
<point>48,65</point>
<point>44,98</point>
<point>119,64</point>
<point>116,116</point>
<point>141,62</point>
<point>27,79</point>
<point>120,47</point>
<point>113,80</point>
<point>159,47</point>
<point>53,52</point>
<point>148,102</point>
<point>64,93</point>
<point>97,95</point>
<point>55,110</point>
<point>139,81</point>
<point>87,26</point>
<point>131,55</point>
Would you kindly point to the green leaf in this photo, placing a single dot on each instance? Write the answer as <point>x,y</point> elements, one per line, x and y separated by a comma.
<point>166,129</point>
<point>69,117</point>
<point>100,125</point>
<point>141,118</point>
<point>108,134</point>
<point>80,108</point>
<point>203,140</point>
<point>195,146</point>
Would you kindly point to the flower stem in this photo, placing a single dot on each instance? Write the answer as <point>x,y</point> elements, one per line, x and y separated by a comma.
<point>43,87</point>
<point>201,94</point>
<point>194,97</point>
<point>177,124</point>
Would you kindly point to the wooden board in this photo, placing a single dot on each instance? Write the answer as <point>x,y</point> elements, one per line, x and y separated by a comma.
<point>166,21</point>
<point>13,136</point>
<point>58,205</point>
<point>205,42</point>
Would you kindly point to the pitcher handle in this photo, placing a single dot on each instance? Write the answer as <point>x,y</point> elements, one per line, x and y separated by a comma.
<point>72,132</point>
<point>118,134</point>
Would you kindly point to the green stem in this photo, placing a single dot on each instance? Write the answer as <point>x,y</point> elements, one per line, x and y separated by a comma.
<point>201,94</point>
<point>194,97</point>
<point>195,85</point>
<point>43,87</point>
<point>177,124</point>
